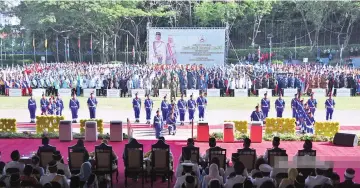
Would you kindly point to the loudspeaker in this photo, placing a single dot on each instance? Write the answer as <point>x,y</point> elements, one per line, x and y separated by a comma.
<point>345,139</point>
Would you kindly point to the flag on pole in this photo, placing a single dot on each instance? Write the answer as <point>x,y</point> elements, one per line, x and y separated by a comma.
<point>79,41</point>
<point>33,41</point>
<point>133,52</point>
<point>91,43</point>
<point>46,44</point>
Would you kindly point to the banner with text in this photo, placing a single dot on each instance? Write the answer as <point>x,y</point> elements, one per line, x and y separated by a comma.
<point>290,92</point>
<point>343,92</point>
<point>113,93</point>
<point>263,91</point>
<point>213,92</point>
<point>14,92</point>
<point>88,91</point>
<point>319,92</point>
<point>194,92</point>
<point>38,92</point>
<point>186,46</point>
<point>64,92</point>
<point>163,92</point>
<point>140,92</point>
<point>241,93</point>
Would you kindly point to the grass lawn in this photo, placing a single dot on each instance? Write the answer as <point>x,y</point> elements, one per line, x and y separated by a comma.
<point>214,103</point>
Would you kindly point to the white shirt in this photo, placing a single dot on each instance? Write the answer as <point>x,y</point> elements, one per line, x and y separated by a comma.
<point>61,166</point>
<point>47,178</point>
<point>232,181</point>
<point>259,181</point>
<point>14,164</point>
<point>230,169</point>
<point>312,181</point>
<point>180,180</point>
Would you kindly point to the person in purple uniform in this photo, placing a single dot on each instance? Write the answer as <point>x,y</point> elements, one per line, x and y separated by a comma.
<point>201,103</point>
<point>92,103</point>
<point>74,106</point>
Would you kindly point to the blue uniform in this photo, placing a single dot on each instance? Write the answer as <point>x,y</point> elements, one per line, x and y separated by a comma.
<point>301,116</point>
<point>136,102</point>
<point>312,103</point>
<point>191,106</point>
<point>265,107</point>
<point>32,108</point>
<point>148,107</point>
<point>59,107</point>
<point>171,122</point>
<point>51,108</point>
<point>257,116</point>
<point>92,103</point>
<point>329,104</point>
<point>158,125</point>
<point>294,107</point>
<point>280,106</point>
<point>164,109</point>
<point>201,103</point>
<point>74,106</point>
<point>43,104</point>
<point>182,109</point>
<point>309,121</point>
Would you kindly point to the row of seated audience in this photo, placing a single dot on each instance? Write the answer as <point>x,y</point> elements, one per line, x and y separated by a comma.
<point>212,170</point>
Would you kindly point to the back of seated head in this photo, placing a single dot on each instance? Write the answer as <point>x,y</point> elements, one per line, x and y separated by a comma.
<point>74,181</point>
<point>325,185</point>
<point>14,180</point>
<point>48,185</point>
<point>15,155</point>
<point>187,169</point>
<point>190,141</point>
<point>259,161</point>
<point>290,186</point>
<point>267,184</point>
<point>52,166</point>
<point>212,142</point>
<point>239,168</point>
<point>319,171</point>
<point>86,156</point>
<point>215,160</point>
<point>335,177</point>
<point>307,145</point>
<point>248,183</point>
<point>162,138</point>
<point>247,143</point>
<point>35,160</point>
<point>80,143</point>
<point>55,184</point>
<point>28,170</point>
<point>238,185</point>
<point>276,141</point>
<point>104,141</point>
<point>215,183</point>
<point>45,141</point>
<point>57,156</point>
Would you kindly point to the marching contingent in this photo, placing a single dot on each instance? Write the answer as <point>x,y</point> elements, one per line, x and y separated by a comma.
<point>179,79</point>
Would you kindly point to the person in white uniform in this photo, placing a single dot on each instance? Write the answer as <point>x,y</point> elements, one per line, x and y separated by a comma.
<point>53,176</point>
<point>236,176</point>
<point>188,179</point>
<point>319,179</point>
<point>265,170</point>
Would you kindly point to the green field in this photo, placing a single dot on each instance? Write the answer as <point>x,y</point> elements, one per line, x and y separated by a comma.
<point>218,103</point>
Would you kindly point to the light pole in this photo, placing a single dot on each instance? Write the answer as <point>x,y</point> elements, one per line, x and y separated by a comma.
<point>270,36</point>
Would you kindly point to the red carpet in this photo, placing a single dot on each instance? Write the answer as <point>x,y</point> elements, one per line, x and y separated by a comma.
<point>139,126</point>
<point>344,157</point>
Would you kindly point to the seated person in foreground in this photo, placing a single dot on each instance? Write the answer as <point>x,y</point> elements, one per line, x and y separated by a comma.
<point>265,170</point>
<point>319,179</point>
<point>46,146</point>
<point>213,174</point>
<point>246,146</point>
<point>237,176</point>
<point>256,170</point>
<point>276,144</point>
<point>215,183</point>
<point>35,161</point>
<point>85,169</point>
<point>14,163</point>
<point>114,156</point>
<point>187,159</point>
<point>212,144</point>
<point>230,169</point>
<point>28,175</point>
<point>190,143</point>
<point>189,176</point>
<point>53,176</point>
<point>307,147</point>
<point>349,175</point>
<point>60,165</point>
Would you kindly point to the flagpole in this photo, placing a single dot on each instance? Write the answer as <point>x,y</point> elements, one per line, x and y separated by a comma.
<point>57,48</point>
<point>79,45</point>
<point>46,58</point>
<point>65,49</point>
<point>92,52</point>
<point>127,48</point>
<point>34,47</point>
<point>103,48</point>
<point>115,47</point>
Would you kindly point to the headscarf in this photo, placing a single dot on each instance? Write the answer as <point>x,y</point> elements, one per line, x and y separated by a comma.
<point>213,171</point>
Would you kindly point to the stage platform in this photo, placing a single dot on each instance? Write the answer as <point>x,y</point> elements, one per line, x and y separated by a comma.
<point>343,157</point>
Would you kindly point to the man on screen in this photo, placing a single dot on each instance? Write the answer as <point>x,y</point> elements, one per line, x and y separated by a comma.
<point>159,49</point>
<point>170,51</point>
